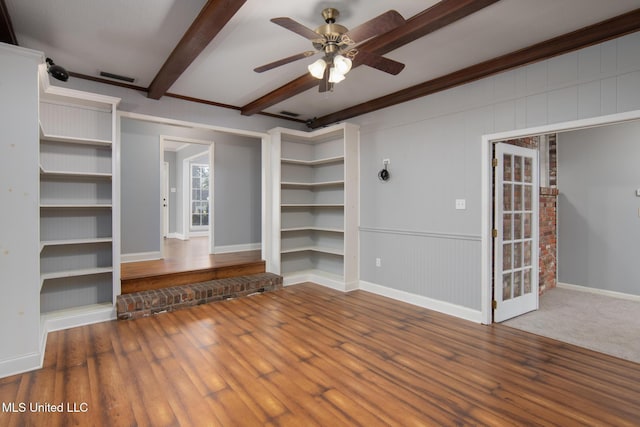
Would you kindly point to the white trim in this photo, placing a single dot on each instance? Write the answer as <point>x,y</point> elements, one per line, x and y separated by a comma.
<point>238,248</point>
<point>140,256</point>
<point>604,292</point>
<point>178,236</point>
<point>266,203</point>
<point>320,279</point>
<point>79,316</point>
<point>56,321</point>
<point>199,233</point>
<point>19,365</point>
<point>420,233</point>
<point>190,125</point>
<point>486,170</point>
<point>424,302</point>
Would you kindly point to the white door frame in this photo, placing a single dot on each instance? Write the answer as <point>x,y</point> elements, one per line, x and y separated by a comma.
<point>486,198</point>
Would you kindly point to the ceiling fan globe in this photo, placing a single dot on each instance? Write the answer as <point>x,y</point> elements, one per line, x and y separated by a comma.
<point>316,69</point>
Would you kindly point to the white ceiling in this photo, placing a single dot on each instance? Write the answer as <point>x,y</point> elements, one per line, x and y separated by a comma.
<point>135,37</point>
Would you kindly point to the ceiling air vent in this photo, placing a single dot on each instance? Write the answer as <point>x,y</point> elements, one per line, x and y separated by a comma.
<point>289,113</point>
<point>117,77</point>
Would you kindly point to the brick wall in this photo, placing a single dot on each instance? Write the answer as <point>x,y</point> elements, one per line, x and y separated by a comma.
<point>548,238</point>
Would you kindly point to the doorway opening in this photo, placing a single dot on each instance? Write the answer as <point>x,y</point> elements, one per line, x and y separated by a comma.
<point>187,202</point>
<point>487,233</point>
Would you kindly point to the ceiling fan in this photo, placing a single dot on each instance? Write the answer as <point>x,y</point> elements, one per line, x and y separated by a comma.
<point>338,44</point>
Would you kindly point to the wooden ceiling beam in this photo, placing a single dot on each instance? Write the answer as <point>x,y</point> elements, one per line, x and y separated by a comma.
<point>7,35</point>
<point>211,19</point>
<point>593,34</point>
<point>438,16</point>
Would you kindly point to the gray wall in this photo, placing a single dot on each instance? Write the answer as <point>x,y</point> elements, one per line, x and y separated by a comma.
<point>598,210</point>
<point>140,188</point>
<point>237,192</point>
<point>428,248</point>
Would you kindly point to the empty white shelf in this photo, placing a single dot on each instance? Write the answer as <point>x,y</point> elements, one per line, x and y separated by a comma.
<point>326,229</point>
<point>323,161</point>
<point>332,251</point>
<point>74,273</point>
<point>87,241</point>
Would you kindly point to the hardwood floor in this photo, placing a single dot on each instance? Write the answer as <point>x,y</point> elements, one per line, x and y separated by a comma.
<point>187,261</point>
<point>312,356</point>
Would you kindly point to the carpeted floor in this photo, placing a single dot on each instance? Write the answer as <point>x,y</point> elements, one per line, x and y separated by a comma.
<point>601,323</point>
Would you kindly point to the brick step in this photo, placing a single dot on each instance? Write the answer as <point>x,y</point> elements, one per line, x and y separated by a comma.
<point>145,303</point>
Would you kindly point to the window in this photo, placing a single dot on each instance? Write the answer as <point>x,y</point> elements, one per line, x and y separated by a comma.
<point>199,196</point>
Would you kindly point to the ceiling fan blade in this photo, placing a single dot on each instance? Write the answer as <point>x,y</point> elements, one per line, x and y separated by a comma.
<point>376,61</point>
<point>284,61</point>
<point>378,25</point>
<point>325,85</point>
<point>297,28</point>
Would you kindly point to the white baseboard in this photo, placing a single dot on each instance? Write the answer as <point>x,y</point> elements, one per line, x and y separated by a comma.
<point>140,256</point>
<point>421,301</point>
<point>320,279</point>
<point>424,302</point>
<point>604,292</point>
<point>80,316</point>
<point>237,248</point>
<point>178,236</point>
<point>64,319</point>
<point>198,233</point>
<point>21,364</point>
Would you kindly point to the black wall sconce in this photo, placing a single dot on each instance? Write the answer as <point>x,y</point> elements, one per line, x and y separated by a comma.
<point>384,174</point>
<point>57,71</point>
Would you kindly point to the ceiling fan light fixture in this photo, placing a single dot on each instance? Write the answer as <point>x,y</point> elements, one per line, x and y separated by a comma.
<point>335,76</point>
<point>342,64</point>
<point>317,68</point>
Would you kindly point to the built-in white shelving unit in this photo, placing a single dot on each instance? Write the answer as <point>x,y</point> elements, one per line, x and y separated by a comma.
<point>316,205</point>
<point>79,233</point>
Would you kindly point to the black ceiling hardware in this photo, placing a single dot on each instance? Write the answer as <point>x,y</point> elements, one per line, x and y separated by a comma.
<point>57,71</point>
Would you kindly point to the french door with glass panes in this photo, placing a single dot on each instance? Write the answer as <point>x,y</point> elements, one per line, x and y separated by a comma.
<point>516,237</point>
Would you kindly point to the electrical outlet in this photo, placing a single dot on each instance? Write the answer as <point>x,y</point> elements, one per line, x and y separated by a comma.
<point>461,204</point>
<point>386,162</point>
<point>378,262</point>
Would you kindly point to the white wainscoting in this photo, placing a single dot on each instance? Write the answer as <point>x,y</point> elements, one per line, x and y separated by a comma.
<point>432,266</point>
